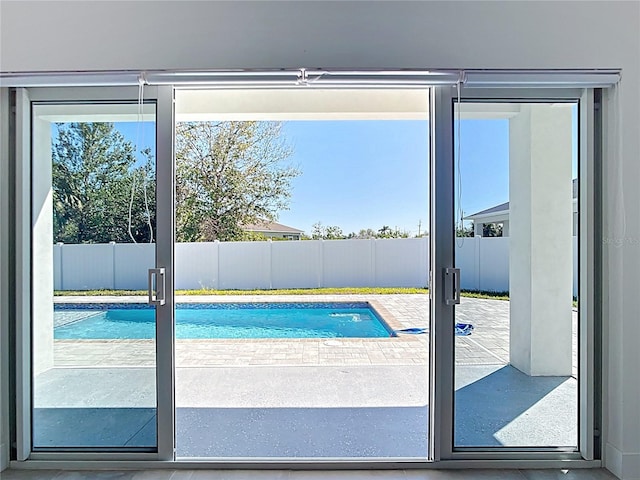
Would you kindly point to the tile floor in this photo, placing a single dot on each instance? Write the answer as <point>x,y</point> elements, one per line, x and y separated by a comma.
<point>551,474</point>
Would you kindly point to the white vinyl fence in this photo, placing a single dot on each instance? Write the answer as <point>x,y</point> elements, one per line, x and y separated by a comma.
<point>248,265</point>
<point>400,262</point>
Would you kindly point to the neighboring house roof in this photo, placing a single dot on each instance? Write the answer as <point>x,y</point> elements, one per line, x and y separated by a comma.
<point>270,227</point>
<point>503,208</point>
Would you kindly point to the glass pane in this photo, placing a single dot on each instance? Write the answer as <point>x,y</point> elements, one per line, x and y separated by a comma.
<point>302,227</point>
<point>93,236</point>
<point>516,218</point>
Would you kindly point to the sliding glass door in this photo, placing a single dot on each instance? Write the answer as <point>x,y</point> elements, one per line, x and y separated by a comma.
<point>346,378</point>
<point>301,221</point>
<point>516,357</point>
<point>482,312</point>
<point>513,293</point>
<point>99,284</point>
<point>94,215</point>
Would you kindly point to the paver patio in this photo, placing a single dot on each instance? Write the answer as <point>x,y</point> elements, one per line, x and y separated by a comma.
<point>488,344</point>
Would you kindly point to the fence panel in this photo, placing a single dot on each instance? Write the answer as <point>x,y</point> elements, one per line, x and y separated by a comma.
<point>493,271</point>
<point>347,263</point>
<point>244,265</point>
<point>57,266</point>
<point>86,267</point>
<point>296,264</point>
<point>401,262</point>
<point>196,265</point>
<point>132,262</point>
<point>483,262</point>
<point>467,252</point>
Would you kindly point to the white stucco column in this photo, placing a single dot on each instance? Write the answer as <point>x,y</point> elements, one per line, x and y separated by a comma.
<point>477,228</point>
<point>42,238</point>
<point>540,245</point>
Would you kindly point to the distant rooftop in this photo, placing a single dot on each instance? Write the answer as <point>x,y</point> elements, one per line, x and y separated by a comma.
<point>272,227</point>
<point>503,207</point>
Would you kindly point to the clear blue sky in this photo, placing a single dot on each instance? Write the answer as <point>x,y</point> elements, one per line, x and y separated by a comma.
<point>366,174</point>
<point>359,174</point>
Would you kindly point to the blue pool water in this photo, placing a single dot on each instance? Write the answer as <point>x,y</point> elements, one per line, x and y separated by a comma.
<point>237,320</point>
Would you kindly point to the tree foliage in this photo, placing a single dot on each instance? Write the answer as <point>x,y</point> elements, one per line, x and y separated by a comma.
<point>329,232</point>
<point>464,231</point>
<point>229,174</point>
<point>333,232</point>
<point>364,233</point>
<point>492,230</point>
<point>95,181</point>
<point>388,232</point>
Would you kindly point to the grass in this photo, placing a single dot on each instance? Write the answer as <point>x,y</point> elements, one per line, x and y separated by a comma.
<point>289,291</point>
<point>485,294</point>
<point>282,291</point>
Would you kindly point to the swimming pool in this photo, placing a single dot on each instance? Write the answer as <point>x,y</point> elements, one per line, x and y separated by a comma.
<point>222,320</point>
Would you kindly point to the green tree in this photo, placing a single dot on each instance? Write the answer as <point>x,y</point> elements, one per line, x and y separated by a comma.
<point>364,233</point>
<point>141,185</point>
<point>385,231</point>
<point>331,232</point>
<point>229,174</point>
<point>492,230</point>
<point>96,186</point>
<point>388,232</point>
<point>254,237</point>
<point>464,231</point>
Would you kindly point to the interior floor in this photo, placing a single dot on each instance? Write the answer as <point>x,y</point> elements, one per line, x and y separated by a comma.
<point>169,474</point>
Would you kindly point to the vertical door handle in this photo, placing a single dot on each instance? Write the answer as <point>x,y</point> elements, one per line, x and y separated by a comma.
<point>157,298</point>
<point>452,286</point>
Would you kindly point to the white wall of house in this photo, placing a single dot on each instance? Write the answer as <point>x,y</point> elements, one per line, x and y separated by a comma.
<point>494,35</point>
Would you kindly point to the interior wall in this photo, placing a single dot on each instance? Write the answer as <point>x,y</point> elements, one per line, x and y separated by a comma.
<point>42,36</point>
<point>272,34</point>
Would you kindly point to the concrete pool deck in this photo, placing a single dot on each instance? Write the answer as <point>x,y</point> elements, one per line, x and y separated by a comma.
<point>269,397</point>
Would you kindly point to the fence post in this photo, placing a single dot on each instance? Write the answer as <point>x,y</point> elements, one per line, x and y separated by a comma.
<point>478,263</point>
<point>270,263</point>
<point>60,263</point>
<point>217,283</point>
<point>113,265</point>
<point>320,263</point>
<point>372,244</point>
<point>424,265</point>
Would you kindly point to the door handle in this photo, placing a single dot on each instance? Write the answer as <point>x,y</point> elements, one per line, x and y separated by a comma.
<point>452,286</point>
<point>157,298</point>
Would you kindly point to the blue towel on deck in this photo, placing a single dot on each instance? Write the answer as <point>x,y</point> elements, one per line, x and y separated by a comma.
<point>461,330</point>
